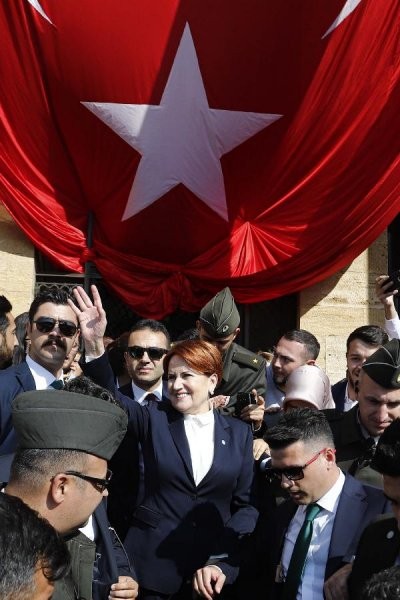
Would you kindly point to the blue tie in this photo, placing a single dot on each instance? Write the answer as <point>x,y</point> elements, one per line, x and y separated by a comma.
<point>299,554</point>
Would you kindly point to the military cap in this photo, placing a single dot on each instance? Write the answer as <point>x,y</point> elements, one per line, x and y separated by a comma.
<point>65,420</point>
<point>383,366</point>
<point>220,316</point>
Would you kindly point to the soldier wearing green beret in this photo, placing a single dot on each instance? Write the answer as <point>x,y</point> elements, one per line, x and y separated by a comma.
<point>60,470</point>
<point>357,431</point>
<point>243,371</point>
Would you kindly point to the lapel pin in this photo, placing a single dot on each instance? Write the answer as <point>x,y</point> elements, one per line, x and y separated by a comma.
<point>223,442</point>
<point>390,535</point>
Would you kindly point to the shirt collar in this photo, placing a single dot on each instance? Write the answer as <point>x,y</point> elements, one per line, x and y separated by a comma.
<point>42,377</point>
<point>330,500</point>
<point>140,395</point>
<point>201,419</point>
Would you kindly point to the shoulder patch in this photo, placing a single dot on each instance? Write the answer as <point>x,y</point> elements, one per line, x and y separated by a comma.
<point>248,360</point>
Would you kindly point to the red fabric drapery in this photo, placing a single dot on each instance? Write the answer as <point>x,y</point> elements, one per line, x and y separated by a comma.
<point>304,194</point>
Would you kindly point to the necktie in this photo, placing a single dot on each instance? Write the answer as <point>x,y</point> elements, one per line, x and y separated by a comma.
<point>57,384</point>
<point>298,559</point>
<point>150,398</point>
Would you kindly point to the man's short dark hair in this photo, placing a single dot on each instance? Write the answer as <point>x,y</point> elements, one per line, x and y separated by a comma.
<point>5,308</point>
<point>84,385</point>
<point>300,425</point>
<point>386,459</point>
<point>55,296</point>
<point>384,585</point>
<point>372,335</point>
<point>27,542</point>
<point>309,341</point>
<point>155,326</point>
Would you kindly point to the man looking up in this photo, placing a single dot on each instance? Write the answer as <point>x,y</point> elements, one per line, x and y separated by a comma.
<point>7,333</point>
<point>52,329</point>
<point>361,343</point>
<point>357,431</point>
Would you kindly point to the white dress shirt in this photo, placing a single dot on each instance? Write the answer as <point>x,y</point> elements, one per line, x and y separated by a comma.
<point>312,583</point>
<point>42,377</point>
<point>140,395</point>
<point>348,402</point>
<point>199,431</point>
<point>392,327</point>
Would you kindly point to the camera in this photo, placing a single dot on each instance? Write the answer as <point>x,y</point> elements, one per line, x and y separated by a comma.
<point>243,399</point>
<point>394,277</point>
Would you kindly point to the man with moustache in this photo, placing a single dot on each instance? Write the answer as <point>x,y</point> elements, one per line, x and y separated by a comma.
<point>361,343</point>
<point>7,333</point>
<point>147,344</point>
<point>52,329</point>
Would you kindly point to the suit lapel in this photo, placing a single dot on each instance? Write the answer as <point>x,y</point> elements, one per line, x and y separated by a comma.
<point>177,430</point>
<point>222,440</point>
<point>25,377</point>
<point>349,515</point>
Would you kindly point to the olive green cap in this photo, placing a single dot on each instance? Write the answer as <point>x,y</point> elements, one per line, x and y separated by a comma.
<point>383,366</point>
<point>45,419</point>
<point>220,316</point>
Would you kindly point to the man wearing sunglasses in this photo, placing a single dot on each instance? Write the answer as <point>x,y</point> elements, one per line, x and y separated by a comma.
<point>53,330</point>
<point>148,343</point>
<point>315,533</point>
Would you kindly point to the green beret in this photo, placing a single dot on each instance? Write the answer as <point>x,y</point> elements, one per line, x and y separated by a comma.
<point>220,316</point>
<point>44,419</point>
<point>383,366</point>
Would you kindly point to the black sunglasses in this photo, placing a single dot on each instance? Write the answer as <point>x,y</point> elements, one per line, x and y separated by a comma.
<point>153,352</point>
<point>291,473</point>
<point>100,484</point>
<point>47,324</point>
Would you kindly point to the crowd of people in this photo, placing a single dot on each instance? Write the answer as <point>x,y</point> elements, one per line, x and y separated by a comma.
<point>158,469</point>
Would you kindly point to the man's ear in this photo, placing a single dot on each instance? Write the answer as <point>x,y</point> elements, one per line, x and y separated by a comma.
<point>59,488</point>
<point>330,456</point>
<point>236,332</point>
<point>311,361</point>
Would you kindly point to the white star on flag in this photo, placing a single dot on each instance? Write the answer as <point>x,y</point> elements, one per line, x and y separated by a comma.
<point>182,139</point>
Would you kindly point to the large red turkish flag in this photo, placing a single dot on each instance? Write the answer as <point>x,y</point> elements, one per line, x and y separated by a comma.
<point>251,144</point>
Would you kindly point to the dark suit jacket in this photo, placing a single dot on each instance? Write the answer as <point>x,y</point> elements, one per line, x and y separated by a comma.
<point>351,444</point>
<point>377,550</point>
<point>358,505</point>
<point>13,381</point>
<point>179,525</point>
<point>339,394</point>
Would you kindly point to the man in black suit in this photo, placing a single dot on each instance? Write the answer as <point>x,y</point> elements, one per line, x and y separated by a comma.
<point>361,343</point>
<point>148,343</point>
<point>52,329</point>
<point>379,546</point>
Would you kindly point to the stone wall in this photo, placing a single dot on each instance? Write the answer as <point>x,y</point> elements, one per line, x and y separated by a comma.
<point>334,307</point>
<point>17,265</point>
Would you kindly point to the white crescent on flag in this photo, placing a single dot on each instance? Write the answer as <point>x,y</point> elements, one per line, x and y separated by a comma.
<point>182,139</point>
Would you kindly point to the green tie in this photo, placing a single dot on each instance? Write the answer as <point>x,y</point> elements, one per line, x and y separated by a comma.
<point>298,559</point>
<point>57,384</point>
